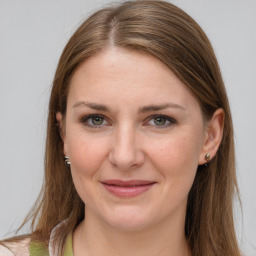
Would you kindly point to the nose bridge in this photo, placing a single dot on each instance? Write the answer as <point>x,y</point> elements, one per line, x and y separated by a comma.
<point>126,140</point>
<point>126,152</point>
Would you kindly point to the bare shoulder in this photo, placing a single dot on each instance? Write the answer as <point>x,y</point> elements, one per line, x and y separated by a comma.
<point>4,251</point>
<point>20,248</point>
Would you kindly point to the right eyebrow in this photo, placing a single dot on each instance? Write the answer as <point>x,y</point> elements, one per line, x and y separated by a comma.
<point>92,105</point>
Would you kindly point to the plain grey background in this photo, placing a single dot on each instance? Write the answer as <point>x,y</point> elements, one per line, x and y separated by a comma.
<point>33,34</point>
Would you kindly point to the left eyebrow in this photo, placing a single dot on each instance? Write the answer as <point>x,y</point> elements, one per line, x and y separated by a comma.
<point>160,107</point>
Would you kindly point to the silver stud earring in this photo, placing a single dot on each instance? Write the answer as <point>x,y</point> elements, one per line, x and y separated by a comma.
<point>67,161</point>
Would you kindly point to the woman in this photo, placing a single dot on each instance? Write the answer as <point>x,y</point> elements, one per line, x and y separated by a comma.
<point>139,153</point>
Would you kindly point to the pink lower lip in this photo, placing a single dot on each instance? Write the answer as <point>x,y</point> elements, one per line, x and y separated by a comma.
<point>128,191</point>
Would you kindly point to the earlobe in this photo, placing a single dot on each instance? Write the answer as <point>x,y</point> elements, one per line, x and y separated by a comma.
<point>213,136</point>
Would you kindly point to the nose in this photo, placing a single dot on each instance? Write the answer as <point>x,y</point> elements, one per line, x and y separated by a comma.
<point>126,153</point>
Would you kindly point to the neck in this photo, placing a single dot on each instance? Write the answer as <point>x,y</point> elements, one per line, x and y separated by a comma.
<point>93,237</point>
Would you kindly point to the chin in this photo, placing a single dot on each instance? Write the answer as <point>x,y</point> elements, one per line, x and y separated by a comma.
<point>129,220</point>
<point>130,226</point>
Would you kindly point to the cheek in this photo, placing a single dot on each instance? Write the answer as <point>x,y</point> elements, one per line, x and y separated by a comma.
<point>86,153</point>
<point>176,159</point>
<point>176,152</point>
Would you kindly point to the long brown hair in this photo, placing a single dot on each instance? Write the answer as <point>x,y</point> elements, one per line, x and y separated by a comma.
<point>166,32</point>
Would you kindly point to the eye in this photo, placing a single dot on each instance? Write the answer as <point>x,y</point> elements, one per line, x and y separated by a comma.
<point>161,121</point>
<point>94,121</point>
<point>97,120</point>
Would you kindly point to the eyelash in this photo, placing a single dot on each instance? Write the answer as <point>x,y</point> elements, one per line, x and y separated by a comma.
<point>168,119</point>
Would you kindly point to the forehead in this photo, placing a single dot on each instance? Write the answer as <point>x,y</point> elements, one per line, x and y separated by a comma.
<point>118,75</point>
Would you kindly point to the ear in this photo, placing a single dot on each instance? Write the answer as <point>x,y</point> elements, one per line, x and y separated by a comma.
<point>213,136</point>
<point>61,123</point>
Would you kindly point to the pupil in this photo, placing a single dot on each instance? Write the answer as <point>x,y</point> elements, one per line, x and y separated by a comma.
<point>160,121</point>
<point>97,120</point>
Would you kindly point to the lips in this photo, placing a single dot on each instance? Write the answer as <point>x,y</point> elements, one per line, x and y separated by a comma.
<point>129,188</point>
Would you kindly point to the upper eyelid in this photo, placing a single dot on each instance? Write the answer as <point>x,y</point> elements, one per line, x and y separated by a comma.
<point>93,115</point>
<point>169,118</point>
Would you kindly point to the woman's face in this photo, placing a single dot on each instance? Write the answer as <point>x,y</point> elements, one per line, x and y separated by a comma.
<point>134,134</point>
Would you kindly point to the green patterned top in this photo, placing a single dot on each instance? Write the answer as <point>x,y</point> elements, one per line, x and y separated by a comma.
<point>68,250</point>
<point>38,249</point>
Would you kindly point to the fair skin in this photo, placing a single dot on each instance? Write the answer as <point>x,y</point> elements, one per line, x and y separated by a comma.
<point>130,119</point>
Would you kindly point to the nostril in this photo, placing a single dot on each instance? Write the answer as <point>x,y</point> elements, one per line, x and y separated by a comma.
<point>125,153</point>
<point>126,160</point>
